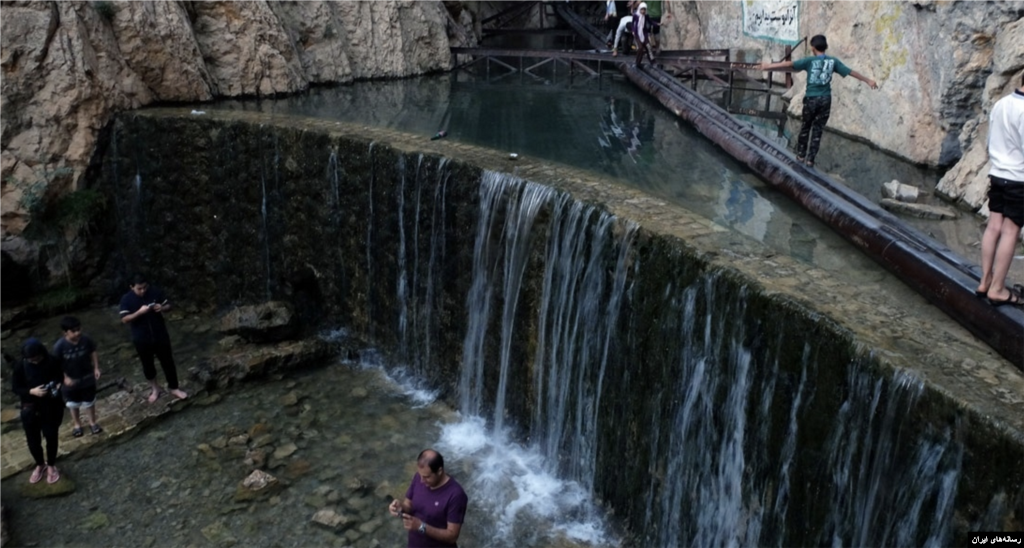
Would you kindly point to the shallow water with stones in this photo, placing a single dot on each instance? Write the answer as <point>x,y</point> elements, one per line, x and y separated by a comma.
<point>341,437</point>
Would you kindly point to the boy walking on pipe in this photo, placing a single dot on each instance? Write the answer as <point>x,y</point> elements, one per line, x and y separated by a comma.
<point>818,98</point>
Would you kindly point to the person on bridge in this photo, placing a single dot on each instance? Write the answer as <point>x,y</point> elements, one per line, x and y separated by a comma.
<point>1005,198</point>
<point>642,31</point>
<point>610,16</point>
<point>818,97</point>
<point>654,9</point>
<point>625,24</point>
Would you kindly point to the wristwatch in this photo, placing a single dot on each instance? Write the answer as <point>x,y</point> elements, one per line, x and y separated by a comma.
<point>423,528</point>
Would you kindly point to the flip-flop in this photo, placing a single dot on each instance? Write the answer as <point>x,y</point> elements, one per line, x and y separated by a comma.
<point>96,429</point>
<point>77,432</point>
<point>52,475</point>
<point>981,294</point>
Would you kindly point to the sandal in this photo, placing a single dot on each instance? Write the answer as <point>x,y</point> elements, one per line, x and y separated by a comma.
<point>76,432</point>
<point>37,475</point>
<point>96,429</point>
<point>52,474</point>
<point>1013,300</point>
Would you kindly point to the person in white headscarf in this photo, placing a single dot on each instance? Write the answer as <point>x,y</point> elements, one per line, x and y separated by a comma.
<point>642,25</point>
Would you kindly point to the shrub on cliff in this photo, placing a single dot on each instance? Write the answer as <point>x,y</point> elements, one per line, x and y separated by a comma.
<point>58,221</point>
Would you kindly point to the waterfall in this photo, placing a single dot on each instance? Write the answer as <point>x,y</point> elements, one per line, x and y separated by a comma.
<point>437,257</point>
<point>789,450</point>
<point>403,276</point>
<point>723,434</point>
<point>266,233</point>
<point>576,320</point>
<point>702,499</point>
<point>420,226</point>
<point>522,211</point>
<point>369,242</point>
<point>622,367</point>
<point>879,493</point>
<point>332,173</point>
<point>478,303</point>
<point>416,305</point>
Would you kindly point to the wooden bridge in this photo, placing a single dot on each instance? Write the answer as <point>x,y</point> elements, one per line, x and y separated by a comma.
<point>940,275</point>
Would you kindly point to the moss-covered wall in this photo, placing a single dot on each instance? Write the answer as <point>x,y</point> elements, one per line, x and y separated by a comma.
<point>723,409</point>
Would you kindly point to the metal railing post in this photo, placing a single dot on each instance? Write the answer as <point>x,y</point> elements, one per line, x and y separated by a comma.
<point>789,75</point>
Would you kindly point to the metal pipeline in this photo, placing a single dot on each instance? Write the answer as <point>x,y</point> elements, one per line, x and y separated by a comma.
<point>936,272</point>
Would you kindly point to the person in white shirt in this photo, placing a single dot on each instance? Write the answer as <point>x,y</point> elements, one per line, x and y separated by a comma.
<point>610,15</point>
<point>626,24</point>
<point>1005,198</point>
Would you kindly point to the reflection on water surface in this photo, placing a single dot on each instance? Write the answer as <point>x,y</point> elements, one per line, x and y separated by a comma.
<point>606,125</point>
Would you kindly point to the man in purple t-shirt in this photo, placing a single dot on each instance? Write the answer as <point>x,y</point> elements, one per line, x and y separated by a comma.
<point>434,505</point>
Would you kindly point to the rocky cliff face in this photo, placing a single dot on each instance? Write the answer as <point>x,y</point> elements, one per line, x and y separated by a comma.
<point>967,181</point>
<point>940,66</point>
<point>69,66</point>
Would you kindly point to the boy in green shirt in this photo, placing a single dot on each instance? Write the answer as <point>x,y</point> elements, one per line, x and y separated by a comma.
<point>818,98</point>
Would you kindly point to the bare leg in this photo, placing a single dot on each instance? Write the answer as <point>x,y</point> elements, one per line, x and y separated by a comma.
<point>92,416</point>
<point>76,417</point>
<point>1004,255</point>
<point>988,249</point>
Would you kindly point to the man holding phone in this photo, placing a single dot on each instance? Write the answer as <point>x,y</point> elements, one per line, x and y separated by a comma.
<point>434,506</point>
<point>142,308</point>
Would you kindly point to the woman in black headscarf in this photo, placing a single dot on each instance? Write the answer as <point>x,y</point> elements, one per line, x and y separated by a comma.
<point>36,380</point>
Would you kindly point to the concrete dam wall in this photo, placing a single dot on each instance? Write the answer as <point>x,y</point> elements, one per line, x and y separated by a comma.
<point>698,403</point>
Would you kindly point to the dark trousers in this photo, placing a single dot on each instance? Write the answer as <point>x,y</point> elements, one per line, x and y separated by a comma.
<point>641,50</point>
<point>816,113</point>
<point>162,351</point>
<point>39,422</point>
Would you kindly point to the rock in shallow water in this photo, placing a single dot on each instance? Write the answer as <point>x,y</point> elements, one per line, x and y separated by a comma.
<point>94,521</point>
<point>285,451</point>
<point>331,519</point>
<point>267,322</point>
<point>257,484</point>
<point>218,534</point>
<point>900,192</point>
<point>44,490</point>
<point>921,211</point>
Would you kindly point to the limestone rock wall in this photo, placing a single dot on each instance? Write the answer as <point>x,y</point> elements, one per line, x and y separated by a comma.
<point>967,181</point>
<point>68,67</point>
<point>939,66</point>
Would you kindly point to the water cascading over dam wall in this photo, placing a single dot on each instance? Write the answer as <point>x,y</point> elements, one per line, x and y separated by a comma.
<point>699,407</point>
